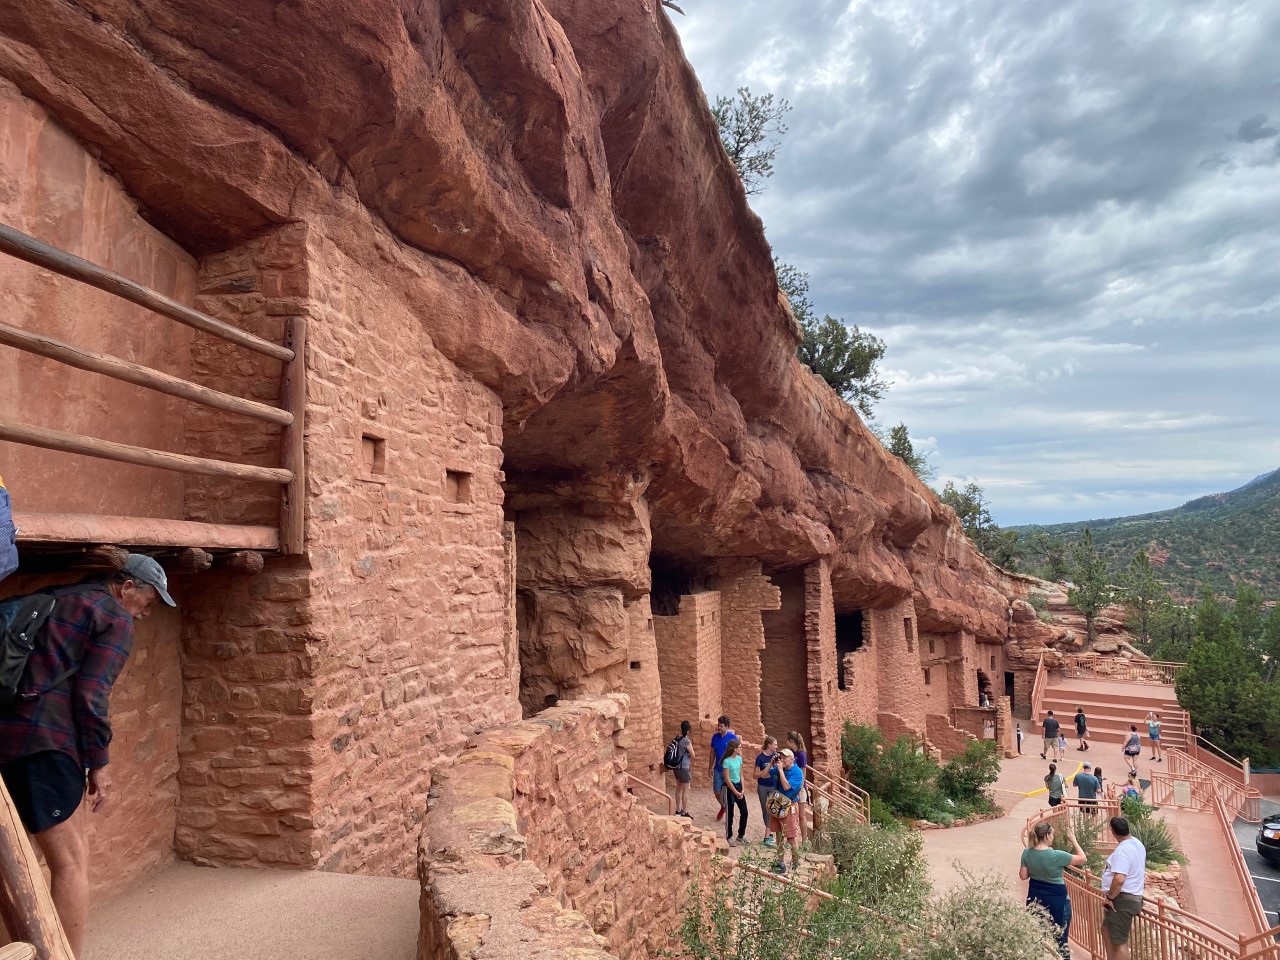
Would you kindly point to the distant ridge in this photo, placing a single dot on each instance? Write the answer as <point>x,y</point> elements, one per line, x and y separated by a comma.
<point>1219,539</point>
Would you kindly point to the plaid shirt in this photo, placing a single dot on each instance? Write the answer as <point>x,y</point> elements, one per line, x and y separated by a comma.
<point>89,629</point>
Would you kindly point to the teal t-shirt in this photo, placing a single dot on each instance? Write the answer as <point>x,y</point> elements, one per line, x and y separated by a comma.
<point>733,770</point>
<point>1046,865</point>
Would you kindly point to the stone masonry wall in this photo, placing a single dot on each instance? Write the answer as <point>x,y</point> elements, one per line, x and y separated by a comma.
<point>689,662</point>
<point>820,640</point>
<point>784,682</point>
<point>898,661</point>
<point>646,735</point>
<point>409,586</point>
<point>744,593</point>
<point>532,847</point>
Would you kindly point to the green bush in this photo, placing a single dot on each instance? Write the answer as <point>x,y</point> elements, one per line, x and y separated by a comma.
<point>977,919</point>
<point>881,815</point>
<point>1158,839</point>
<point>1089,829</point>
<point>886,865</point>
<point>909,782</point>
<point>964,778</point>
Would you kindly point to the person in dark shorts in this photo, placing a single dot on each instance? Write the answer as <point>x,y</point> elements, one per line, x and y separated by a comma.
<point>1049,750</point>
<point>1082,729</point>
<point>1123,882</point>
<point>1087,786</point>
<point>54,743</point>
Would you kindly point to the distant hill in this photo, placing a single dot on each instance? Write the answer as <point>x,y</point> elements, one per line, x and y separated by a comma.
<point>1220,539</point>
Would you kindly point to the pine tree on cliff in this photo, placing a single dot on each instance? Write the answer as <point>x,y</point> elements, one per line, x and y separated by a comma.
<point>1141,592</point>
<point>1089,572</point>
<point>846,357</point>
<point>751,130</point>
<point>898,442</point>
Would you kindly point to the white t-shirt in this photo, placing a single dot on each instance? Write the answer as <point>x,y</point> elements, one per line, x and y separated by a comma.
<point>1130,859</point>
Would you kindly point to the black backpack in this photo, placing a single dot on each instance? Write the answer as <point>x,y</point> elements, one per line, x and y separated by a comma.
<point>21,619</point>
<point>672,756</point>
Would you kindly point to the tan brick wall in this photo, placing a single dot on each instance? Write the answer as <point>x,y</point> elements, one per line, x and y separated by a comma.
<point>900,680</point>
<point>784,685</point>
<point>689,662</point>
<point>551,792</point>
<point>820,640</point>
<point>744,593</point>
<point>646,736</point>
<point>409,572</point>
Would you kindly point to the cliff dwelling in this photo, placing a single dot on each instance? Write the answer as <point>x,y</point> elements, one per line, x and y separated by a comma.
<point>551,475</point>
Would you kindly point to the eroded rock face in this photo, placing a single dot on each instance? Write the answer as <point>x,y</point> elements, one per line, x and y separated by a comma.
<point>543,184</point>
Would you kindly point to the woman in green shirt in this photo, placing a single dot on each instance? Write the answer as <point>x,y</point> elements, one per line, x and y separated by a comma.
<point>734,796</point>
<point>1042,867</point>
<point>1053,782</point>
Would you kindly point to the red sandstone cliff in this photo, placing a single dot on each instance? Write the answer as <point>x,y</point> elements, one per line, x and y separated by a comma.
<point>544,182</point>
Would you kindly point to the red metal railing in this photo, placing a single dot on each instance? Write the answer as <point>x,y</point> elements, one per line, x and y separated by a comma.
<point>634,781</point>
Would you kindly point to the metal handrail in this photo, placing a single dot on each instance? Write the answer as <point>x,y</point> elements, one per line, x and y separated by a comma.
<point>1245,800</point>
<point>1118,668</point>
<point>1243,877</point>
<point>637,782</point>
<point>1037,689</point>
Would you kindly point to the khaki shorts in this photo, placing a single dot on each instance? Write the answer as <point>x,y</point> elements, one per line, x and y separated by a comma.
<point>1117,921</point>
<point>1050,743</point>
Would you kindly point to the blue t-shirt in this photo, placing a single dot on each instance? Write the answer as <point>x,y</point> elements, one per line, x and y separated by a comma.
<point>762,763</point>
<point>1087,784</point>
<point>733,770</point>
<point>794,781</point>
<point>719,741</point>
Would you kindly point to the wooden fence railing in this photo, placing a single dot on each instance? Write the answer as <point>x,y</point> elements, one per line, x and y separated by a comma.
<point>288,416</point>
<point>1120,668</point>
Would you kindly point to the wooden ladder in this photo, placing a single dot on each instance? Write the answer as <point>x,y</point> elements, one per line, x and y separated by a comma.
<point>26,907</point>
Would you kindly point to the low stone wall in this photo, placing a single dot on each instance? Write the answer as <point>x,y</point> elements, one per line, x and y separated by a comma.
<point>533,847</point>
<point>1170,882</point>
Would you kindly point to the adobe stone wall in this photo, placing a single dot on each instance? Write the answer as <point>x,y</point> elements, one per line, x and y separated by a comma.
<point>689,661</point>
<point>820,639</point>
<point>784,682</point>
<point>745,592</point>
<point>646,736</point>
<point>54,189</point>
<point>533,847</point>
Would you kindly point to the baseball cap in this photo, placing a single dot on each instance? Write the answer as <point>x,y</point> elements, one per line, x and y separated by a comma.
<point>144,568</point>
<point>786,752</point>
<point>1088,765</point>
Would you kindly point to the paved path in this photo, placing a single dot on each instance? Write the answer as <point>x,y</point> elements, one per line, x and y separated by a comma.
<point>1266,877</point>
<point>201,913</point>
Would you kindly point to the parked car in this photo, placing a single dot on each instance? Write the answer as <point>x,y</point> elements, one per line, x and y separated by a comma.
<point>1268,841</point>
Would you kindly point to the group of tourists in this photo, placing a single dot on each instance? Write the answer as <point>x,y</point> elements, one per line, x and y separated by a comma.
<point>779,776</point>
<point>1123,882</point>
<point>1055,739</point>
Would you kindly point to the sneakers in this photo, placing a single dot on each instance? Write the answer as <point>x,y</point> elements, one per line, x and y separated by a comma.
<point>1043,757</point>
<point>779,868</point>
<point>679,813</point>
<point>686,813</point>
<point>768,841</point>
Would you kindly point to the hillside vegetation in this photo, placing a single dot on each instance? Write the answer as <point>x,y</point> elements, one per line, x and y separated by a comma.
<point>1219,541</point>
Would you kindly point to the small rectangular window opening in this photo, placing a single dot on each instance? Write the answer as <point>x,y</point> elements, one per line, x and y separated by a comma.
<point>907,628</point>
<point>457,486</point>
<point>635,664</point>
<point>927,679</point>
<point>373,455</point>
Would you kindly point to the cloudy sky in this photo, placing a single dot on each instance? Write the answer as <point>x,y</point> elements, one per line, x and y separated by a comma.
<point>1063,219</point>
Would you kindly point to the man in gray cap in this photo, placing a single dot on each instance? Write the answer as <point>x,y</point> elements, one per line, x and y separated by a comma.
<point>54,740</point>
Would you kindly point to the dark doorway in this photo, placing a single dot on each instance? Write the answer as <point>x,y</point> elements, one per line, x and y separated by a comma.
<point>848,640</point>
<point>1008,684</point>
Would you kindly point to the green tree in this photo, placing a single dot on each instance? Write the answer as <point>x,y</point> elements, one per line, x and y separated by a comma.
<point>1140,592</point>
<point>1091,591</point>
<point>1171,627</point>
<point>1250,616</point>
<point>970,504</point>
<point>846,357</point>
<point>899,444</point>
<point>751,130</point>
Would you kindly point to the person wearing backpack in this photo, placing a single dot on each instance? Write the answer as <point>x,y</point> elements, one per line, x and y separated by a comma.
<point>1132,748</point>
<point>678,758</point>
<point>54,734</point>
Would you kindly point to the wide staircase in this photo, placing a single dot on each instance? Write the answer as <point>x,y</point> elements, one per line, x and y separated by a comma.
<point>1113,701</point>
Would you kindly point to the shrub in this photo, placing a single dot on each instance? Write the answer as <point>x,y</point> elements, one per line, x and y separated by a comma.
<point>909,780</point>
<point>977,919</point>
<point>881,815</point>
<point>886,865</point>
<point>1088,832</point>
<point>964,778</point>
<point>861,747</point>
<point>1158,839</point>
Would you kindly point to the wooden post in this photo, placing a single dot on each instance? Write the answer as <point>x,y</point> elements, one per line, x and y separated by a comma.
<point>29,911</point>
<point>242,561</point>
<point>188,560</point>
<point>293,397</point>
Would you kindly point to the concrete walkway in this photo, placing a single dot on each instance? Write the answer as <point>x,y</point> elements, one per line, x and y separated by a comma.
<point>199,912</point>
<point>1213,887</point>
